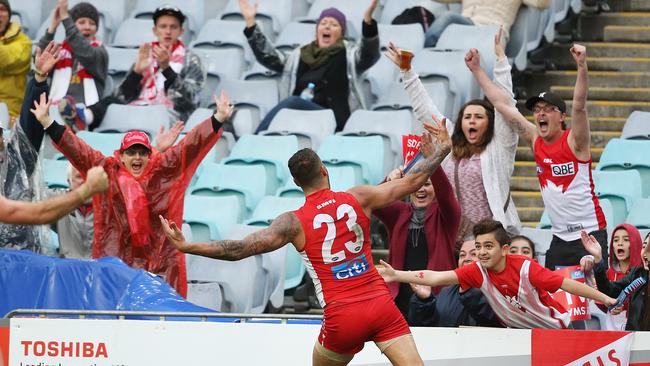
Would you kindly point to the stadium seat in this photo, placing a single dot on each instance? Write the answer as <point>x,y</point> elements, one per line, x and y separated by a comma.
<point>259,96</point>
<point>271,151</point>
<point>463,37</point>
<point>406,36</point>
<point>294,268</point>
<point>206,294</point>
<point>377,81</point>
<point>295,34</point>
<point>271,207</point>
<point>620,188</point>
<point>124,118</point>
<point>271,14</point>
<point>393,8</point>
<point>194,10</point>
<point>622,154</point>
<point>542,239</point>
<point>638,215</point>
<point>341,178</point>
<point>391,125</point>
<point>560,10</point>
<point>637,126</point>
<point>133,32</point>
<point>120,61</point>
<point>55,173</point>
<point>224,34</point>
<point>220,64</point>
<point>363,153</point>
<point>311,127</point>
<point>59,33</point>
<point>259,72</point>
<point>211,217</point>
<point>106,143</point>
<point>248,182</point>
<point>199,115</point>
<point>393,98</point>
<point>29,15</point>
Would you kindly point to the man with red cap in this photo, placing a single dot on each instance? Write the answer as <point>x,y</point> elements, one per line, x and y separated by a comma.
<point>143,183</point>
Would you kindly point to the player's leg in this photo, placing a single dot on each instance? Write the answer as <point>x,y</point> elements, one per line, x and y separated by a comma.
<point>401,351</point>
<point>321,356</point>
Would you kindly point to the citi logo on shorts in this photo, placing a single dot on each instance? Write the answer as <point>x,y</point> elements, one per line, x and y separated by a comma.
<point>352,268</point>
<point>562,170</point>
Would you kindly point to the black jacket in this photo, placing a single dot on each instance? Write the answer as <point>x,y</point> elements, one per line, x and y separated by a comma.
<point>636,307</point>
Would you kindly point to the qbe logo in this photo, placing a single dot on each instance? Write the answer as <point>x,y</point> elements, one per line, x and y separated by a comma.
<point>352,268</point>
<point>562,170</point>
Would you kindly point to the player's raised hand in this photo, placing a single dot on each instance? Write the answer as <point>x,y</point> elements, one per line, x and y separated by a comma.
<point>173,233</point>
<point>386,271</point>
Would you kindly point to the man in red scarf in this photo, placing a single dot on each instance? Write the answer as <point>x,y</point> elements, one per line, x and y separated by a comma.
<point>143,183</point>
<point>164,72</point>
<point>80,76</point>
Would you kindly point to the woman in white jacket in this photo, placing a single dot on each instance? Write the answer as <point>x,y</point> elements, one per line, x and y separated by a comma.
<point>483,148</point>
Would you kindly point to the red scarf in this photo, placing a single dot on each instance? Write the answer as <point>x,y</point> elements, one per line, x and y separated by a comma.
<point>153,81</point>
<point>63,74</point>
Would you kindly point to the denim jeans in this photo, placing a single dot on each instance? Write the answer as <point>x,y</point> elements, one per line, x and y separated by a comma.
<point>438,26</point>
<point>293,102</point>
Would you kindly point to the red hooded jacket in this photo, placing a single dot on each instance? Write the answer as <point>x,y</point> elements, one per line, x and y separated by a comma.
<point>134,203</point>
<point>614,274</point>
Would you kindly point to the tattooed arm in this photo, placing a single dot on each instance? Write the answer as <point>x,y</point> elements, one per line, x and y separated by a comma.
<point>500,99</point>
<point>283,230</point>
<point>375,197</point>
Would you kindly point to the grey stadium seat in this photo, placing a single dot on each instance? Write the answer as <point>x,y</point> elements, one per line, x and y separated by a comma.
<point>271,14</point>
<point>133,33</point>
<point>120,61</point>
<point>637,126</point>
<point>245,94</point>
<point>463,37</point>
<point>294,35</point>
<point>123,118</point>
<point>311,127</point>
<point>224,34</point>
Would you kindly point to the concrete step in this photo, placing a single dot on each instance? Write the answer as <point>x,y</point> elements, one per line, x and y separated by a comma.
<point>639,64</point>
<point>525,169</point>
<point>531,224</point>
<point>603,108</point>
<point>525,153</point>
<point>600,123</point>
<point>593,26</point>
<point>530,214</point>
<point>606,93</point>
<point>630,5</point>
<point>527,199</point>
<point>601,49</point>
<point>519,183</point>
<point>627,33</point>
<point>628,79</point>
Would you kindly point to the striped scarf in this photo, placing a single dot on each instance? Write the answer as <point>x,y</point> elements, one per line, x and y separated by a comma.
<point>63,74</point>
<point>153,80</point>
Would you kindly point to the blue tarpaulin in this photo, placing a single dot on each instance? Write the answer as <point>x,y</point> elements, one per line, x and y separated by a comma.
<point>33,281</point>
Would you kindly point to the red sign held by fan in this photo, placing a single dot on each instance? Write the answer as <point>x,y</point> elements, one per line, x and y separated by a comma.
<point>410,147</point>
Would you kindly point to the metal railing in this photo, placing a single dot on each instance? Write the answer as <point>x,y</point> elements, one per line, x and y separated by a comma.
<point>161,315</point>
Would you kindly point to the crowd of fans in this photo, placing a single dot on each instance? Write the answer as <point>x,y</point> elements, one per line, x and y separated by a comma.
<point>459,231</point>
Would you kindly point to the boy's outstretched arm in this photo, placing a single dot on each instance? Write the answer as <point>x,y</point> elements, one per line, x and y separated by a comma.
<point>580,289</point>
<point>424,277</point>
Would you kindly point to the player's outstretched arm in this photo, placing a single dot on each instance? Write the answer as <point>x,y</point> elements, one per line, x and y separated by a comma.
<point>580,289</point>
<point>283,230</point>
<point>375,197</point>
<point>499,98</point>
<point>52,209</point>
<point>424,277</point>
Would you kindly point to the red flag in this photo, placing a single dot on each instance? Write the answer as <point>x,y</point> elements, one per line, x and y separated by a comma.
<point>410,147</point>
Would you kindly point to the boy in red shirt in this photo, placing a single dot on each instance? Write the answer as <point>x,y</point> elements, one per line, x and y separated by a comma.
<point>516,287</point>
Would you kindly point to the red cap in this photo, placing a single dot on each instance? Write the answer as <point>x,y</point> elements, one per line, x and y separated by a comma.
<point>135,138</point>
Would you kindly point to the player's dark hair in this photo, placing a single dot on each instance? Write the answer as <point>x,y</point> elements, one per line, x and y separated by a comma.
<point>489,226</point>
<point>304,166</point>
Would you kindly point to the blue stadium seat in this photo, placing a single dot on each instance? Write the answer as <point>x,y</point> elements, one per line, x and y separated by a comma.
<point>311,127</point>
<point>55,173</point>
<point>637,126</point>
<point>106,143</point>
<point>124,118</point>
<point>391,125</point>
<point>248,182</point>
<point>366,154</point>
<point>638,215</point>
<point>620,188</point>
<point>211,218</point>
<point>271,151</point>
<point>271,207</point>
<point>294,268</point>
<point>341,178</point>
<point>622,154</point>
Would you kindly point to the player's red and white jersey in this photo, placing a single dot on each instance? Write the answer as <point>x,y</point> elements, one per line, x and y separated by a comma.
<point>519,295</point>
<point>567,189</point>
<point>337,248</point>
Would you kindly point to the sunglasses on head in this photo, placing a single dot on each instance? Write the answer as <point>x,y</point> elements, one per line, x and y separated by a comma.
<point>168,7</point>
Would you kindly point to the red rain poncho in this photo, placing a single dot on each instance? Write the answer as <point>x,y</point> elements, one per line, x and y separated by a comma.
<point>126,215</point>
